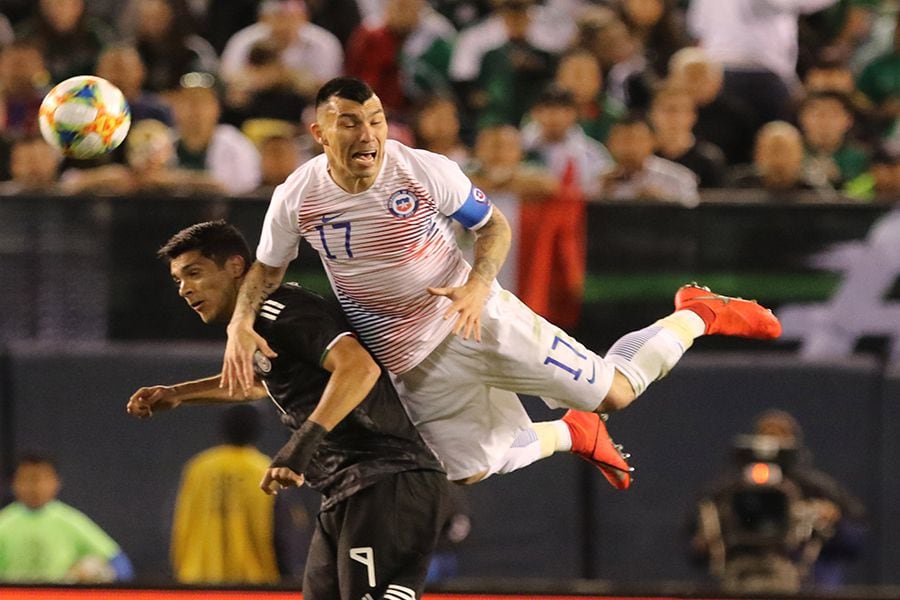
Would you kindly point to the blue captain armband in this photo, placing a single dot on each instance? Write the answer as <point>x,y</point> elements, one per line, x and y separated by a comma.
<point>475,211</point>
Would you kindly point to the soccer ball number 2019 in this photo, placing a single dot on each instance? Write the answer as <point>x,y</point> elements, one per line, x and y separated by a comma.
<point>84,117</point>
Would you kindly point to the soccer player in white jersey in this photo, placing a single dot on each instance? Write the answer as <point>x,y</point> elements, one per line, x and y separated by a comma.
<point>458,345</point>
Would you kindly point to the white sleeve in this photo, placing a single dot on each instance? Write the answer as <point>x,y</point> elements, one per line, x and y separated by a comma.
<point>449,186</point>
<point>278,243</point>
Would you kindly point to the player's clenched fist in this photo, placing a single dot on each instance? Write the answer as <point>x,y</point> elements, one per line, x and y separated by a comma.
<point>278,478</point>
<point>147,399</point>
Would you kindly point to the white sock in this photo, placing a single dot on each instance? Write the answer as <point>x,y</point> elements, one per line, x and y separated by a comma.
<point>563,437</point>
<point>525,449</point>
<point>648,354</point>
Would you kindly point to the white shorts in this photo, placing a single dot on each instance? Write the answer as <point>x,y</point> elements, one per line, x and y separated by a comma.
<point>462,396</point>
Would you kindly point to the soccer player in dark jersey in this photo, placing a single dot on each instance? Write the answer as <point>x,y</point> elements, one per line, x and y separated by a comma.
<point>352,439</point>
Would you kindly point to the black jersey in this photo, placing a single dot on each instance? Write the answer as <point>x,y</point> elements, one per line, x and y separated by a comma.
<point>374,440</point>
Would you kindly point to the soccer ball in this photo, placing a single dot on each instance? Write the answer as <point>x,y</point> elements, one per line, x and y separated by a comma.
<point>84,117</point>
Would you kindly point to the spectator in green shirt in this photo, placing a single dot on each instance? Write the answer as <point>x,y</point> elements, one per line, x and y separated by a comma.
<point>579,73</point>
<point>832,157</point>
<point>45,540</point>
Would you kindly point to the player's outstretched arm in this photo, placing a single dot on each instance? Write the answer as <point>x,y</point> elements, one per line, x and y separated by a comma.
<point>491,247</point>
<point>353,375</point>
<point>237,368</point>
<point>157,398</point>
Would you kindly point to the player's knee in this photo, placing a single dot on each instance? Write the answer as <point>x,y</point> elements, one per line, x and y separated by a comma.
<point>620,394</point>
<point>471,479</point>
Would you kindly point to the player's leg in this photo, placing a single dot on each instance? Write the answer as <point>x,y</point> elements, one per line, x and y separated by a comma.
<point>388,534</point>
<point>468,424</point>
<point>320,576</point>
<point>527,354</point>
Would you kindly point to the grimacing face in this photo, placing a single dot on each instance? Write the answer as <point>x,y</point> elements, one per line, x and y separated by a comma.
<point>353,136</point>
<point>210,290</point>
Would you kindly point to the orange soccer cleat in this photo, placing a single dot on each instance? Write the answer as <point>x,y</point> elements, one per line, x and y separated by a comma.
<point>725,315</point>
<point>591,441</point>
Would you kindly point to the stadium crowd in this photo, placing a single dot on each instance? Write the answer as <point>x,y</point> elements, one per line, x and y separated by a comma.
<point>613,99</point>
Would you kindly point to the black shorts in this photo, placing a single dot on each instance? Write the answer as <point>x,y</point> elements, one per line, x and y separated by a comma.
<point>378,542</point>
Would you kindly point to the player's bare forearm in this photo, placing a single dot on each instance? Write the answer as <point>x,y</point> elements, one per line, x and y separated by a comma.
<point>259,283</point>
<point>491,247</point>
<point>237,367</point>
<point>147,400</point>
<point>209,391</point>
<point>353,375</point>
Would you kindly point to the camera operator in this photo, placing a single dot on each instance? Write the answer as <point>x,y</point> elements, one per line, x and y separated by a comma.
<point>774,523</point>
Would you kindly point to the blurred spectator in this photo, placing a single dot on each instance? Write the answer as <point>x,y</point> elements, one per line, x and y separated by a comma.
<point>23,84</point>
<point>546,32</point>
<point>266,89</point>
<point>836,76</point>
<point>404,55</point>
<point>777,162</point>
<point>774,523</point>
<point>656,25</point>
<point>280,156</point>
<point>45,540</point>
<point>498,168</point>
<point>437,129</point>
<point>68,38</point>
<point>312,53</point>
<point>880,80</point>
<point>756,41</point>
<point>579,73</point>
<point>165,36</point>
<point>34,166</point>
<point>628,80</point>
<point>340,17</point>
<point>723,120</point>
<point>224,526</point>
<point>122,66</point>
<point>639,174</point>
<point>673,115</point>
<point>219,154</point>
<point>511,75</point>
<point>553,251</point>
<point>832,158</point>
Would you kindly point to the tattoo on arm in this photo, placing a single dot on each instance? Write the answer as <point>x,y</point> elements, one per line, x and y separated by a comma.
<point>258,285</point>
<point>491,247</point>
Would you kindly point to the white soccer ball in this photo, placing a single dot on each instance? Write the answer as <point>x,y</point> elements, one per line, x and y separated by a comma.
<point>84,117</point>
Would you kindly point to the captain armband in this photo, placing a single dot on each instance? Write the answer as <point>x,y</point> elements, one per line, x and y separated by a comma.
<point>475,211</point>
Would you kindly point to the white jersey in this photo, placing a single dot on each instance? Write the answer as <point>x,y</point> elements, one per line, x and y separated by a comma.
<point>382,247</point>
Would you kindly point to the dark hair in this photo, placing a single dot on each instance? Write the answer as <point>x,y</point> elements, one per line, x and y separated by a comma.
<point>348,88</point>
<point>34,457</point>
<point>554,95</point>
<point>216,240</point>
<point>241,425</point>
<point>633,118</point>
<point>828,95</point>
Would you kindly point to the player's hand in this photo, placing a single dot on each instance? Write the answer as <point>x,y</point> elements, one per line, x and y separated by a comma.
<point>237,368</point>
<point>154,398</point>
<point>467,303</point>
<point>279,478</point>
